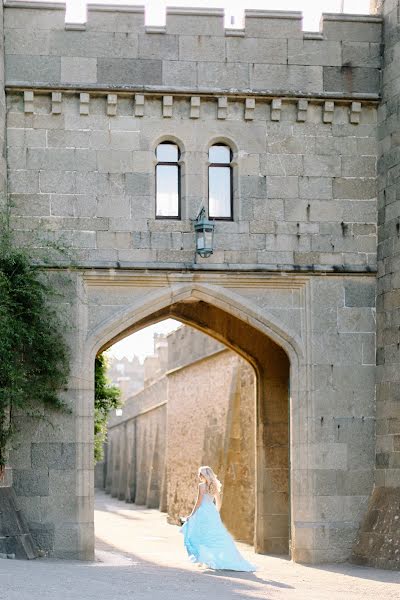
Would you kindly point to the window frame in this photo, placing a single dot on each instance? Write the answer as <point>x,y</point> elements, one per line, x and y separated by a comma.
<point>177,164</point>
<point>224,165</point>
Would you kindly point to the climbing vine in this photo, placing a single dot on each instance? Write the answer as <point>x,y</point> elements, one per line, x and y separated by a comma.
<point>34,358</point>
<point>106,398</point>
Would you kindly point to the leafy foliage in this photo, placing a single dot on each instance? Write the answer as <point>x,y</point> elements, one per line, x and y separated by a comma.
<point>106,398</point>
<point>34,358</point>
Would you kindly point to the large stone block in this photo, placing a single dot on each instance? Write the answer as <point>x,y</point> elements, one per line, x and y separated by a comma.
<point>59,138</point>
<point>125,71</point>
<point>356,318</point>
<point>30,204</point>
<point>78,69</point>
<point>282,187</point>
<point>23,182</point>
<point>256,50</point>
<point>285,78</point>
<point>114,161</point>
<point>253,187</point>
<point>322,166</point>
<point>314,52</point>
<point>112,22</point>
<point>315,188</point>
<point>286,164</point>
<point>31,18</point>
<point>360,293</point>
<point>182,22</point>
<point>93,44</point>
<point>27,42</point>
<point>31,482</point>
<point>63,182</point>
<point>113,206</point>
<point>202,48</point>
<point>342,30</point>
<point>352,187</point>
<point>351,80</point>
<point>223,76</point>
<point>359,166</point>
<point>362,54</point>
<point>179,73</point>
<point>267,26</point>
<point>53,455</point>
<point>159,46</point>
<point>138,184</point>
<point>27,68</point>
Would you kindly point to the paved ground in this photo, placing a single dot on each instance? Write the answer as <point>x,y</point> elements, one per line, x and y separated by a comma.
<point>140,556</point>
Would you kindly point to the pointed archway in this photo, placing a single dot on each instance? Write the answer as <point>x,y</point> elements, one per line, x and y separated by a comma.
<point>272,367</point>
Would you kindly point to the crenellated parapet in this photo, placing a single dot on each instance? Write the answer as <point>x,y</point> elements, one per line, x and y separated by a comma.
<point>115,50</point>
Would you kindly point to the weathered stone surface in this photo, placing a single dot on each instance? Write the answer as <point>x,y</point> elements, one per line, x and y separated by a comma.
<point>378,540</point>
<point>53,455</point>
<point>351,79</point>
<point>314,52</point>
<point>27,67</point>
<point>125,71</point>
<point>31,482</point>
<point>360,293</point>
<point>304,201</point>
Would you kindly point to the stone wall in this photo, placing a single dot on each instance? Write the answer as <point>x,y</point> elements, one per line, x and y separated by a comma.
<point>202,411</point>
<point>205,428</point>
<point>135,457</point>
<point>193,51</point>
<point>291,283</point>
<point>378,543</point>
<point>81,143</point>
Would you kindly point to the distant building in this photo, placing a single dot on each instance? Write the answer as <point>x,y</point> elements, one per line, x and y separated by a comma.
<point>127,374</point>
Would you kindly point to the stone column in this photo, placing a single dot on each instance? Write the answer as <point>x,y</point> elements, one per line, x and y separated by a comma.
<point>378,543</point>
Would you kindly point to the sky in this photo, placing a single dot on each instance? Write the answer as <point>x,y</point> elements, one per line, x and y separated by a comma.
<point>155,9</point>
<point>141,343</point>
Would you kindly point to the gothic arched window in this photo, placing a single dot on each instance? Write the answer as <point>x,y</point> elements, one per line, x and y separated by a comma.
<point>220,193</point>
<point>168,185</point>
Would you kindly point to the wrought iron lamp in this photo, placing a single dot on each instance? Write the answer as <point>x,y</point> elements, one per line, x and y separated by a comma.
<point>204,229</point>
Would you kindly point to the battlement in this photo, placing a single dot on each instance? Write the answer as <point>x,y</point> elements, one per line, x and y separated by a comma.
<point>114,49</point>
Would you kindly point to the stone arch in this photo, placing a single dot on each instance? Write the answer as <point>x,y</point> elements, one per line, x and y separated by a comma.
<point>273,351</point>
<point>133,317</point>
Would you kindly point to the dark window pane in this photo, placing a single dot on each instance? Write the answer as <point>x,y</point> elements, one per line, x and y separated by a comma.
<point>167,153</point>
<point>167,191</point>
<point>219,155</point>
<point>219,201</point>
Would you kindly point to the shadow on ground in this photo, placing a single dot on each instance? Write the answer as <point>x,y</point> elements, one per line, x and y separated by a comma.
<point>192,582</point>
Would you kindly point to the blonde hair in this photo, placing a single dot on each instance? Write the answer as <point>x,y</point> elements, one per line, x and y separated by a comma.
<point>212,482</point>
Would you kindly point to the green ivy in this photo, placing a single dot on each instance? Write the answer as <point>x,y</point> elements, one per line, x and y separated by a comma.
<point>34,357</point>
<point>106,398</point>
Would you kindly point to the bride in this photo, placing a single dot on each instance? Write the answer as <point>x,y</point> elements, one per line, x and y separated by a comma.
<point>206,539</point>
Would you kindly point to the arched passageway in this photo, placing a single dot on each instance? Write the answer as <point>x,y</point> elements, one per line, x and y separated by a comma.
<point>272,368</point>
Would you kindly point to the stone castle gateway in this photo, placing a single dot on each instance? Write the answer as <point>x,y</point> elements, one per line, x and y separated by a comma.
<point>306,243</point>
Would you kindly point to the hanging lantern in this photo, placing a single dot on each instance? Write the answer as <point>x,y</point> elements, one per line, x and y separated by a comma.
<point>204,230</point>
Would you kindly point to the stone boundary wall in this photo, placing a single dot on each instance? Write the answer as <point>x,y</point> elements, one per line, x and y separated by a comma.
<point>114,49</point>
<point>135,451</point>
<point>186,345</point>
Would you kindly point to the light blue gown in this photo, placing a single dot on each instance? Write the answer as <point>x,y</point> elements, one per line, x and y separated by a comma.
<point>207,540</point>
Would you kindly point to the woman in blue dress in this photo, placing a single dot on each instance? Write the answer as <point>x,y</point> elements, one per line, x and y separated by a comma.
<point>206,539</point>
